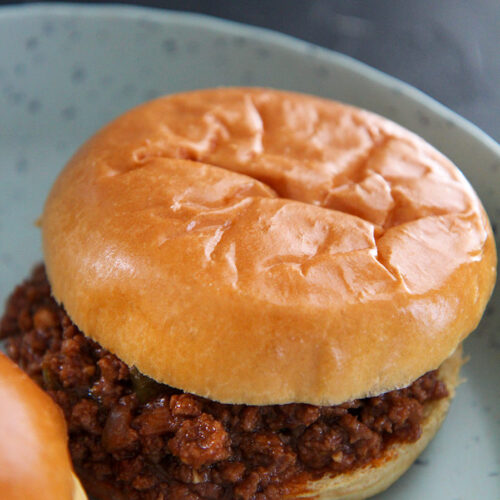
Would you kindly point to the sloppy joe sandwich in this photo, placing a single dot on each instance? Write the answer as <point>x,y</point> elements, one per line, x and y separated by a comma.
<point>252,294</point>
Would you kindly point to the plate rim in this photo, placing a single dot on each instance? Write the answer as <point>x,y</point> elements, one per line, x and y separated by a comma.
<point>276,38</point>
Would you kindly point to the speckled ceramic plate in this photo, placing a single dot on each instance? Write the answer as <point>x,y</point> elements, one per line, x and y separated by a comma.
<point>66,70</point>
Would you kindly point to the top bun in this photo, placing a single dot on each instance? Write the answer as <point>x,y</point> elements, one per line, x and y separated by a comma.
<point>257,246</point>
<point>34,457</point>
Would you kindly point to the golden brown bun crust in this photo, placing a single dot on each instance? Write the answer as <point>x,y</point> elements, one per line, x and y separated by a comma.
<point>374,478</point>
<point>360,254</point>
<point>34,458</point>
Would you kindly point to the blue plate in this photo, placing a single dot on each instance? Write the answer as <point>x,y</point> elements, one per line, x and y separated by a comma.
<point>65,70</point>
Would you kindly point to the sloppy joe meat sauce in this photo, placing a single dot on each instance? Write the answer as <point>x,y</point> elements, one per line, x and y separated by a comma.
<point>152,442</point>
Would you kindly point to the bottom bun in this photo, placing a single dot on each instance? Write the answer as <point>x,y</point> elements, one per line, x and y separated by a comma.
<point>78,492</point>
<point>376,477</point>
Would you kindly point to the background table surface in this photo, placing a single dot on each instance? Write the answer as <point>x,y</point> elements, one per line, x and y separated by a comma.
<point>447,48</point>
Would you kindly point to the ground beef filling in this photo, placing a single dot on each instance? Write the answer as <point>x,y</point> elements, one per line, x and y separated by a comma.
<point>154,442</point>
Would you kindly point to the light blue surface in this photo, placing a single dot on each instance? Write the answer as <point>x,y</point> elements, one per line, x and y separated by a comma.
<point>66,70</point>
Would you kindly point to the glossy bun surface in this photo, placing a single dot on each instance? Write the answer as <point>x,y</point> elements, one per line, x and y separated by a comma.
<point>258,246</point>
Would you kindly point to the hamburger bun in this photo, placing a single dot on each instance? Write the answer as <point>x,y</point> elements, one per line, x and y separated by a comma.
<point>268,244</point>
<point>34,458</point>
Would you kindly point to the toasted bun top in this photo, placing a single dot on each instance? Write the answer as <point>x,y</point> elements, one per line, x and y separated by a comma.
<point>34,458</point>
<point>257,246</point>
